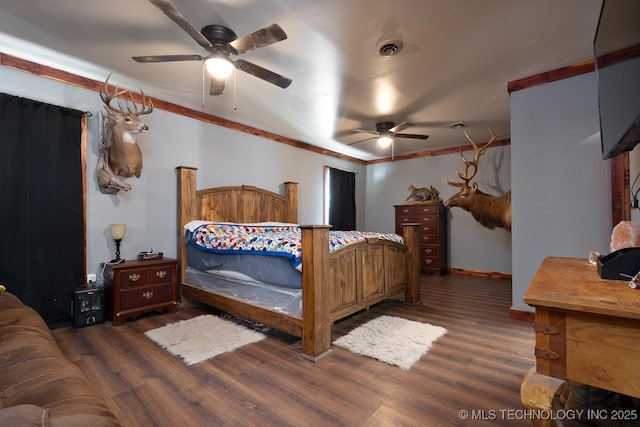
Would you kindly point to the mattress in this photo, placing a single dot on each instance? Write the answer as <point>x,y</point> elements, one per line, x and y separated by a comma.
<point>271,239</point>
<point>240,287</point>
<point>271,270</point>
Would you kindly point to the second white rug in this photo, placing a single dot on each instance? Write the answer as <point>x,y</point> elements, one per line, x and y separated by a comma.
<point>392,340</point>
<point>202,337</point>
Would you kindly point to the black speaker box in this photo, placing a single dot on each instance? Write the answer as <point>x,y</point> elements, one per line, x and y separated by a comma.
<point>622,264</point>
<point>88,307</point>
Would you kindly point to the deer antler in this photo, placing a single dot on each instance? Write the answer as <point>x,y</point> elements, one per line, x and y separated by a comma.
<point>478,151</point>
<point>107,98</point>
<point>146,109</point>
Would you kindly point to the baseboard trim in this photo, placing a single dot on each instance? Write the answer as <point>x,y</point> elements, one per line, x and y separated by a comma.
<point>491,274</point>
<point>527,316</point>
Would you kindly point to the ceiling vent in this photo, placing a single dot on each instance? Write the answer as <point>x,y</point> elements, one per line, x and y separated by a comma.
<point>389,47</point>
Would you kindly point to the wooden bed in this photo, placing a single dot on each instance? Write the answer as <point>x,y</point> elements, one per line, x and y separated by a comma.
<point>334,285</point>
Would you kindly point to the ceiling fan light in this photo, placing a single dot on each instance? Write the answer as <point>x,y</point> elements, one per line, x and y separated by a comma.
<point>384,141</point>
<point>219,67</point>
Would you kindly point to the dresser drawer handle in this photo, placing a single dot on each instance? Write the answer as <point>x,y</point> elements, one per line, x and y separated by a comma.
<point>405,211</point>
<point>426,228</point>
<point>428,261</point>
<point>134,277</point>
<point>147,295</point>
<point>161,274</point>
<point>425,219</point>
<point>427,251</point>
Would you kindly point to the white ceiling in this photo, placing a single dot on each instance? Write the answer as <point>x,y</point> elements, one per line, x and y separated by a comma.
<point>457,59</point>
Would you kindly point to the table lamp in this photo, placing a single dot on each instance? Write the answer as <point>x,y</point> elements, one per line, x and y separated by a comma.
<point>117,234</point>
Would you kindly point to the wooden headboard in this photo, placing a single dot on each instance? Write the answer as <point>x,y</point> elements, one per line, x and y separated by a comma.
<point>246,204</point>
<point>243,204</point>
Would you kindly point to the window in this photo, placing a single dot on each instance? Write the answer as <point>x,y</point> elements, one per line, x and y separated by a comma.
<point>340,198</point>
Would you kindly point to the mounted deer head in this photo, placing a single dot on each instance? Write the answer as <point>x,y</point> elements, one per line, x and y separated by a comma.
<point>490,211</point>
<point>119,130</point>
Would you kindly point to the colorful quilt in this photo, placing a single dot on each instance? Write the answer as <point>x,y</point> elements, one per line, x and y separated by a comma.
<point>265,239</point>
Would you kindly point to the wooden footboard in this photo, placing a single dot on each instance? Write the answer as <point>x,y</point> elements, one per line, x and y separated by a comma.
<point>368,272</point>
<point>333,285</point>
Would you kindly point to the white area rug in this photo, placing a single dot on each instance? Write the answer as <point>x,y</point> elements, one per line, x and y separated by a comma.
<point>392,340</point>
<point>202,337</point>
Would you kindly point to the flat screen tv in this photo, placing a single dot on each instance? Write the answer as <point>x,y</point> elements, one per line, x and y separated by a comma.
<point>618,78</point>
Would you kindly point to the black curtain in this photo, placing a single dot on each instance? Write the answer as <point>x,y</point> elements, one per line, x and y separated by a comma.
<point>41,218</point>
<point>342,199</point>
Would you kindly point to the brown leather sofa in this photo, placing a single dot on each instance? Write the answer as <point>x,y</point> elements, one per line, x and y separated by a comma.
<point>39,386</point>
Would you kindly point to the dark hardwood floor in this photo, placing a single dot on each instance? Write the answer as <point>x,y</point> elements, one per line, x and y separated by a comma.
<point>476,367</point>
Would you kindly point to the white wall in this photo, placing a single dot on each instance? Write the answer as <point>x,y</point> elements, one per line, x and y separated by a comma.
<point>227,157</point>
<point>223,156</point>
<point>561,199</point>
<point>471,246</point>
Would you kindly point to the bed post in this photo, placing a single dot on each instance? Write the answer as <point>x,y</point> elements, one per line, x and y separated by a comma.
<point>410,233</point>
<point>187,211</point>
<point>291,193</point>
<point>316,322</point>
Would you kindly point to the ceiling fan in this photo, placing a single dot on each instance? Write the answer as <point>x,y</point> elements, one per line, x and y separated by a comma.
<point>219,41</point>
<point>386,132</point>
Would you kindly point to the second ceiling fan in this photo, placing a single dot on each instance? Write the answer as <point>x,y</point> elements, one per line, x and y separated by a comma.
<point>220,42</point>
<point>386,132</point>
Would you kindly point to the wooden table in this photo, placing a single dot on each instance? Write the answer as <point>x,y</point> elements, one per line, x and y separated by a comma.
<point>587,331</point>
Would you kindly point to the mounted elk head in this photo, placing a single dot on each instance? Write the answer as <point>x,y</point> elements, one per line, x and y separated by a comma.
<point>120,128</point>
<point>490,211</point>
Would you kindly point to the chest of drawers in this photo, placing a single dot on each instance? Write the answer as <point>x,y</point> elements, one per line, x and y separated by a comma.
<point>141,286</point>
<point>432,233</point>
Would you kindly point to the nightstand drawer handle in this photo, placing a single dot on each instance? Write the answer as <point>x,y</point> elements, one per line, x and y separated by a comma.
<point>147,295</point>
<point>161,274</point>
<point>134,277</point>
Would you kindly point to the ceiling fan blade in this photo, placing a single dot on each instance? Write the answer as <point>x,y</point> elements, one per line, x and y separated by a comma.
<point>363,140</point>
<point>366,131</point>
<point>216,87</point>
<point>410,136</point>
<point>401,126</point>
<point>168,9</point>
<point>263,37</point>
<point>167,58</point>
<point>262,73</point>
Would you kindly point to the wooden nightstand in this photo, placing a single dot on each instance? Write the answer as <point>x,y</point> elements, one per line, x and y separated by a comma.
<point>141,286</point>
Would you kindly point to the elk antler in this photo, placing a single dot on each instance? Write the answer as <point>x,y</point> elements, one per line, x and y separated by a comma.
<point>107,98</point>
<point>478,151</point>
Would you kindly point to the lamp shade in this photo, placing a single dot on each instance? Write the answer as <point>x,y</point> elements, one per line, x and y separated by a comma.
<point>219,67</point>
<point>117,231</point>
<point>384,141</point>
